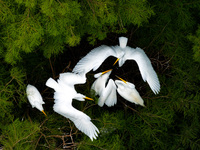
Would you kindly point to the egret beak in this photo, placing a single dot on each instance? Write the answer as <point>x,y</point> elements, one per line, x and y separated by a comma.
<point>106,71</point>
<point>116,61</point>
<point>88,98</point>
<point>44,113</point>
<point>121,79</point>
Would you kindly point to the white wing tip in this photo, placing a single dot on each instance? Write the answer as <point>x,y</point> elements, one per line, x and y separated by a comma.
<point>100,103</point>
<point>52,84</point>
<point>95,134</point>
<point>123,42</point>
<point>156,91</point>
<point>111,103</point>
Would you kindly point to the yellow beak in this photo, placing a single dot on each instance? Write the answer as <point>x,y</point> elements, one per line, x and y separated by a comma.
<point>88,98</point>
<point>122,79</point>
<point>106,71</point>
<point>44,113</point>
<point>116,61</point>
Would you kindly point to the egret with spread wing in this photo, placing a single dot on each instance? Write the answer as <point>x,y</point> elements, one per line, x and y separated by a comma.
<point>127,91</point>
<point>144,64</point>
<point>64,93</point>
<point>107,93</point>
<point>94,59</point>
<point>35,97</point>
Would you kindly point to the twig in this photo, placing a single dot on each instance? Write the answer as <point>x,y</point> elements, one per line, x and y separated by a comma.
<point>58,136</point>
<point>45,138</point>
<point>38,141</point>
<point>67,67</point>
<point>52,68</point>
<point>43,122</point>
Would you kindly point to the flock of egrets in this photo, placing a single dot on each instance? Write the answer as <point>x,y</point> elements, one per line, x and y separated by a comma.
<point>65,91</point>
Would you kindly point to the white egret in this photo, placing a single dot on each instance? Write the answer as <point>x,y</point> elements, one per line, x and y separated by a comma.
<point>95,58</point>
<point>127,91</point>
<point>35,97</point>
<point>64,93</point>
<point>107,94</point>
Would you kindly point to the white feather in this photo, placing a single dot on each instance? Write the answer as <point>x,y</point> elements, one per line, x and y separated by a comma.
<point>94,59</point>
<point>64,93</point>
<point>123,42</point>
<point>145,67</point>
<point>34,97</point>
<point>107,94</point>
<point>127,91</point>
<point>111,100</point>
<point>52,84</point>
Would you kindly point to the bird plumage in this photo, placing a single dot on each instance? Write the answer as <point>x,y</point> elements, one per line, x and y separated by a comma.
<point>127,91</point>
<point>147,72</point>
<point>96,57</point>
<point>34,97</point>
<point>64,93</point>
<point>107,93</point>
<point>123,42</point>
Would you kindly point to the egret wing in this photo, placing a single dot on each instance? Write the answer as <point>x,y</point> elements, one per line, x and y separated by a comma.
<point>81,120</point>
<point>97,86</point>
<point>111,100</point>
<point>94,59</point>
<point>72,78</point>
<point>53,84</point>
<point>145,67</point>
<point>108,95</point>
<point>85,125</point>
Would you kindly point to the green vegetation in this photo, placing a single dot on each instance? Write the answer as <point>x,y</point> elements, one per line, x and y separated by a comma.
<point>40,39</point>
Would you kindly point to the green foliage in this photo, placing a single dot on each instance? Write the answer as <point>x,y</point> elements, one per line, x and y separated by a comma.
<point>109,136</point>
<point>27,3</point>
<point>196,41</point>
<point>22,36</point>
<point>20,135</point>
<point>134,12</point>
<point>49,25</point>
<point>12,92</point>
<point>33,30</point>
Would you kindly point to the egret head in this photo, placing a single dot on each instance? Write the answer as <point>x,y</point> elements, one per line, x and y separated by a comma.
<point>120,50</point>
<point>124,81</point>
<point>127,91</point>
<point>102,73</point>
<point>39,107</point>
<point>119,54</point>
